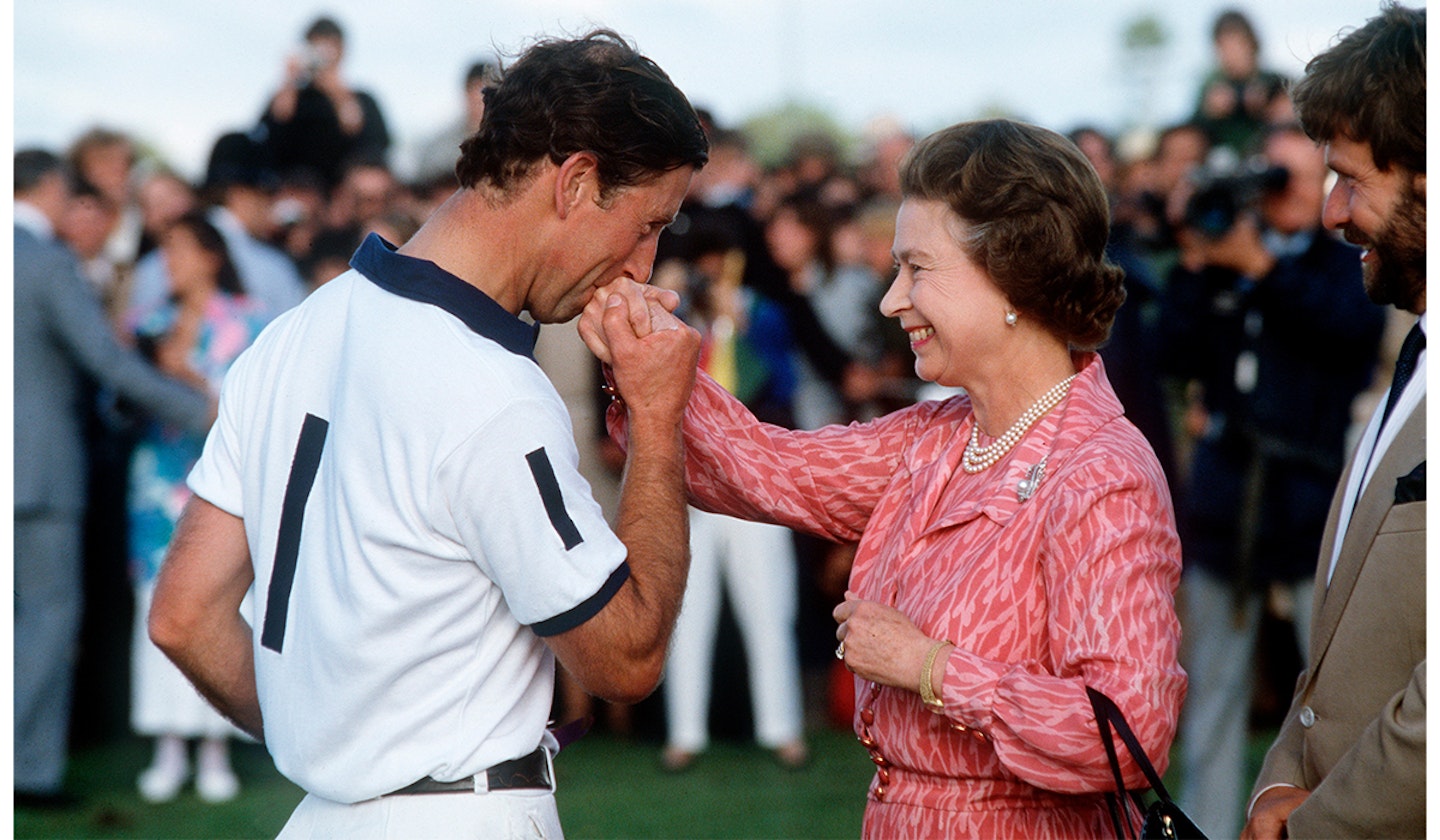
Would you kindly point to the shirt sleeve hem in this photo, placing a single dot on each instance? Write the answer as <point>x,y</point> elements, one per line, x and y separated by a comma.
<point>587,609</point>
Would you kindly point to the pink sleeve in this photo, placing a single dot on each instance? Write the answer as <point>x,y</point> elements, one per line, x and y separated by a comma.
<point>1112,562</point>
<point>824,482</point>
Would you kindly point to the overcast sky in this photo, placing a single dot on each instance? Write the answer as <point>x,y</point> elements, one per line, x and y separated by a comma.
<point>177,73</point>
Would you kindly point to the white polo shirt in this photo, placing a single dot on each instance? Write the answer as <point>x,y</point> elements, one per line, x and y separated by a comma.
<point>417,520</point>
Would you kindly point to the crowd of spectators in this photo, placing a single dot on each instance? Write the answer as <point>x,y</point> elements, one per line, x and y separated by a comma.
<point>801,251</point>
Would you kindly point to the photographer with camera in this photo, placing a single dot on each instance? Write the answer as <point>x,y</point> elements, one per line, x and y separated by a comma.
<point>1268,324</point>
<point>316,121</point>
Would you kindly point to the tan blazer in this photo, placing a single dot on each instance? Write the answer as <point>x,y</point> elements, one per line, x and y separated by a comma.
<point>1355,732</point>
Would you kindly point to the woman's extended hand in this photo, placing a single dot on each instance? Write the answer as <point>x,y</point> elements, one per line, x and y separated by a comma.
<point>652,353</point>
<point>647,309</point>
<point>881,644</point>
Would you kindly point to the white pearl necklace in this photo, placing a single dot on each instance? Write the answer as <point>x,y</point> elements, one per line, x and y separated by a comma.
<point>978,458</point>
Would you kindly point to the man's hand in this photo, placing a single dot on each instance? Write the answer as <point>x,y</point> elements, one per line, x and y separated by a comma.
<point>1269,817</point>
<point>647,308</point>
<point>1240,249</point>
<point>653,354</point>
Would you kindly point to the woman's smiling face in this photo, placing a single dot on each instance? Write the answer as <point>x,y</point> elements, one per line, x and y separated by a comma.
<point>947,304</point>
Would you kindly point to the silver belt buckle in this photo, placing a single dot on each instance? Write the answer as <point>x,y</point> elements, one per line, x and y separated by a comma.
<point>549,768</point>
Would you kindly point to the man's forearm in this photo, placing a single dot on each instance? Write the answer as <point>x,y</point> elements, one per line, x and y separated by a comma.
<point>222,668</point>
<point>654,525</point>
<point>620,653</point>
<point>195,617</point>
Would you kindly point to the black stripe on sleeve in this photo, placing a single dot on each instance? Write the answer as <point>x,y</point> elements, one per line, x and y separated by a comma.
<point>554,502</point>
<point>292,514</point>
<point>585,610</point>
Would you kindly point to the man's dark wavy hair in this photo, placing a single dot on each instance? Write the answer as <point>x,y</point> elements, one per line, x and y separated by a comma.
<point>1370,87</point>
<point>593,94</point>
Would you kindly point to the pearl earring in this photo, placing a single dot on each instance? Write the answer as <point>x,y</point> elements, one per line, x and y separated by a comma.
<point>1011,317</point>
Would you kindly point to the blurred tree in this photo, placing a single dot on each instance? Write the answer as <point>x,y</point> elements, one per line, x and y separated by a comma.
<point>771,132</point>
<point>1144,50</point>
<point>996,109</point>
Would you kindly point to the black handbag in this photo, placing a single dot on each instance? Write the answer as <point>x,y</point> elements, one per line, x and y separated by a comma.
<point>1162,818</point>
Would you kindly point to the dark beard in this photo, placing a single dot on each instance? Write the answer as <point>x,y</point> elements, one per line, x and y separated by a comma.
<point>1397,276</point>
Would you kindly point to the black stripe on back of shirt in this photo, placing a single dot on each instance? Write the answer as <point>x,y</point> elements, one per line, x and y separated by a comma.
<point>292,515</point>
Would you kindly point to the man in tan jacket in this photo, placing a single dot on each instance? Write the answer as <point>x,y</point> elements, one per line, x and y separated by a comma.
<point>1350,757</point>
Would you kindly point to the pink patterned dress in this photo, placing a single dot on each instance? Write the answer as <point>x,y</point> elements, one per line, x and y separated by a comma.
<point>1043,596</point>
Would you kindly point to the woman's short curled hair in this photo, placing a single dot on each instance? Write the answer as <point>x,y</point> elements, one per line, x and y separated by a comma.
<point>592,94</point>
<point>1036,220</point>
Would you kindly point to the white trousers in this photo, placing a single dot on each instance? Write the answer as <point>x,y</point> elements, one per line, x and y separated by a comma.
<point>757,564</point>
<point>498,815</point>
<point>1215,722</point>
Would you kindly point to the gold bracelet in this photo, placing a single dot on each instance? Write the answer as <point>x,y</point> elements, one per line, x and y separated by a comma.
<point>927,693</point>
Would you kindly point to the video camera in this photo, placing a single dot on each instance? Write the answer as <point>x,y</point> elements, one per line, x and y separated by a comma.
<point>1224,190</point>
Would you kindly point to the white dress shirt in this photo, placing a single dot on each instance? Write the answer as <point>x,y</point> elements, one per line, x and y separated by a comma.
<point>1373,445</point>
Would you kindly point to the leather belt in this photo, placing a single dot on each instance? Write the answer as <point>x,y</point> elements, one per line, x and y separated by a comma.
<point>535,771</point>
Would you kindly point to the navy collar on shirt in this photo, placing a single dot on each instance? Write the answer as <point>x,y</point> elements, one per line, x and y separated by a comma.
<point>427,282</point>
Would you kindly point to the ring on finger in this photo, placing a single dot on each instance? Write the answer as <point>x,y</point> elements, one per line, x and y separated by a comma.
<point>840,652</point>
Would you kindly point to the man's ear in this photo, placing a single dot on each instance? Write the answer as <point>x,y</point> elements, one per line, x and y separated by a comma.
<point>1417,183</point>
<point>576,181</point>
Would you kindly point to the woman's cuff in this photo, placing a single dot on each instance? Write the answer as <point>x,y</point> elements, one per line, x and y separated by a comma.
<point>969,688</point>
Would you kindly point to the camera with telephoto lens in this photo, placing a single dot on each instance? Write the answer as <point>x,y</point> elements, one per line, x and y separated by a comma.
<point>1223,192</point>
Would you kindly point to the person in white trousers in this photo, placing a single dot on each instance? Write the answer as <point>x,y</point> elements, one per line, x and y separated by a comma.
<point>755,561</point>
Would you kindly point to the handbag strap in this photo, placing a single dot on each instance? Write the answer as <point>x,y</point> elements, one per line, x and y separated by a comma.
<point>1104,705</point>
<point>1115,800</point>
<point>1108,715</point>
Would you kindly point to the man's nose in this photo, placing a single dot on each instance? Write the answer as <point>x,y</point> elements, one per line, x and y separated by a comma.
<point>1337,206</point>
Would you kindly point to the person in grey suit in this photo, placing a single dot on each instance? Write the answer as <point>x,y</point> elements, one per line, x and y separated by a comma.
<point>1350,757</point>
<point>61,337</point>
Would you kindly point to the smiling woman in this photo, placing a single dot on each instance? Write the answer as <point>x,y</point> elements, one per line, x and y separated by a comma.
<point>998,576</point>
<point>1000,247</point>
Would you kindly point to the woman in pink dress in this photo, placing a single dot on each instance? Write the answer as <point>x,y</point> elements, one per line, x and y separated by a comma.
<point>1016,542</point>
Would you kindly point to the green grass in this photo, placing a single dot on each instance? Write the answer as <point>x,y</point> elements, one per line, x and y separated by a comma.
<point>609,787</point>
<point>733,791</point>
<point>104,777</point>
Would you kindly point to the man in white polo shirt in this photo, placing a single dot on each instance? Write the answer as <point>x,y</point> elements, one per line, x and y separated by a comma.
<point>399,481</point>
